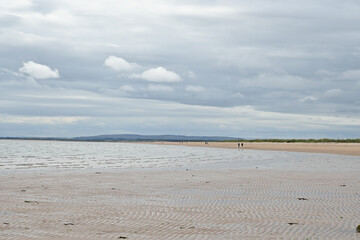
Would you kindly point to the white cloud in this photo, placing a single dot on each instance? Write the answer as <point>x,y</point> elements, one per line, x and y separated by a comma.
<point>119,64</point>
<point>197,10</point>
<point>153,8</point>
<point>18,4</point>
<point>38,71</point>
<point>159,74</point>
<point>192,88</point>
<point>160,88</point>
<point>59,17</point>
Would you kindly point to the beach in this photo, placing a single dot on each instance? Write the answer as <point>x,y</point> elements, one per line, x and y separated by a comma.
<point>351,149</point>
<point>184,203</point>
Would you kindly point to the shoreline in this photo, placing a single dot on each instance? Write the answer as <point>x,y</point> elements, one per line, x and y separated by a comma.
<point>188,202</point>
<point>350,149</point>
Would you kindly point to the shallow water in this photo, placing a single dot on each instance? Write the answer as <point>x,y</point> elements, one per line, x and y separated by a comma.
<point>45,156</point>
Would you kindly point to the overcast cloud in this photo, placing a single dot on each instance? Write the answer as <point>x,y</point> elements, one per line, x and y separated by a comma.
<point>237,68</point>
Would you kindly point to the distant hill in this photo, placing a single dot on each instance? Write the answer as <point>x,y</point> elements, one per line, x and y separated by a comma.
<point>136,137</point>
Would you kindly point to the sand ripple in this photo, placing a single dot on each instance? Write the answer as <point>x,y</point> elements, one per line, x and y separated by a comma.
<point>226,204</point>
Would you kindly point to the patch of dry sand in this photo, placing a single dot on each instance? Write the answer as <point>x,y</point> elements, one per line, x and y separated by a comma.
<point>352,149</point>
<point>223,204</point>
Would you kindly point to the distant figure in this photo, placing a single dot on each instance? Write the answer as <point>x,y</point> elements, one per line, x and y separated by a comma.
<point>238,145</point>
<point>242,145</point>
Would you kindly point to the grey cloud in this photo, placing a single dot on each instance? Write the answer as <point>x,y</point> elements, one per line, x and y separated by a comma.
<point>196,89</point>
<point>351,74</point>
<point>333,93</point>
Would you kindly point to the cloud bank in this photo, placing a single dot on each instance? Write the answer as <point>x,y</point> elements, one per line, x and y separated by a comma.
<point>192,63</point>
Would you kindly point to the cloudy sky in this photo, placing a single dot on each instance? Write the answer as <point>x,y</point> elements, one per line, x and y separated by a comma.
<point>254,69</point>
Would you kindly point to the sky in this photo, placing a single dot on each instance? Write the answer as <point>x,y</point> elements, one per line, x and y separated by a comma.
<point>252,69</point>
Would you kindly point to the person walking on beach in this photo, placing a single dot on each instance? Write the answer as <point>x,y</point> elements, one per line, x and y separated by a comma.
<point>242,145</point>
<point>238,145</point>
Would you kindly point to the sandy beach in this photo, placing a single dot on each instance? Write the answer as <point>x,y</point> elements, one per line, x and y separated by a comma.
<point>224,204</point>
<point>352,149</point>
<point>185,203</point>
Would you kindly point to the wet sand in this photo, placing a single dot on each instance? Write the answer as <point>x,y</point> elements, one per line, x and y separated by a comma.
<point>180,204</point>
<point>320,202</point>
<point>352,149</point>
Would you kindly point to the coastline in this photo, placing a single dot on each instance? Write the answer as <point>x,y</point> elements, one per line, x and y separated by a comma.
<point>351,149</point>
<point>301,196</point>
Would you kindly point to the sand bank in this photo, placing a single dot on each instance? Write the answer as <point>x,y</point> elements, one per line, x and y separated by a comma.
<point>352,149</point>
<point>181,204</point>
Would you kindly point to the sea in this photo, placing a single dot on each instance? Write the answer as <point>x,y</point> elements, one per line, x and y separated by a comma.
<point>31,156</point>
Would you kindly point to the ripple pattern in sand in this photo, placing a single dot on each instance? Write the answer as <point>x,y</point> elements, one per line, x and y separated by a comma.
<point>228,204</point>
